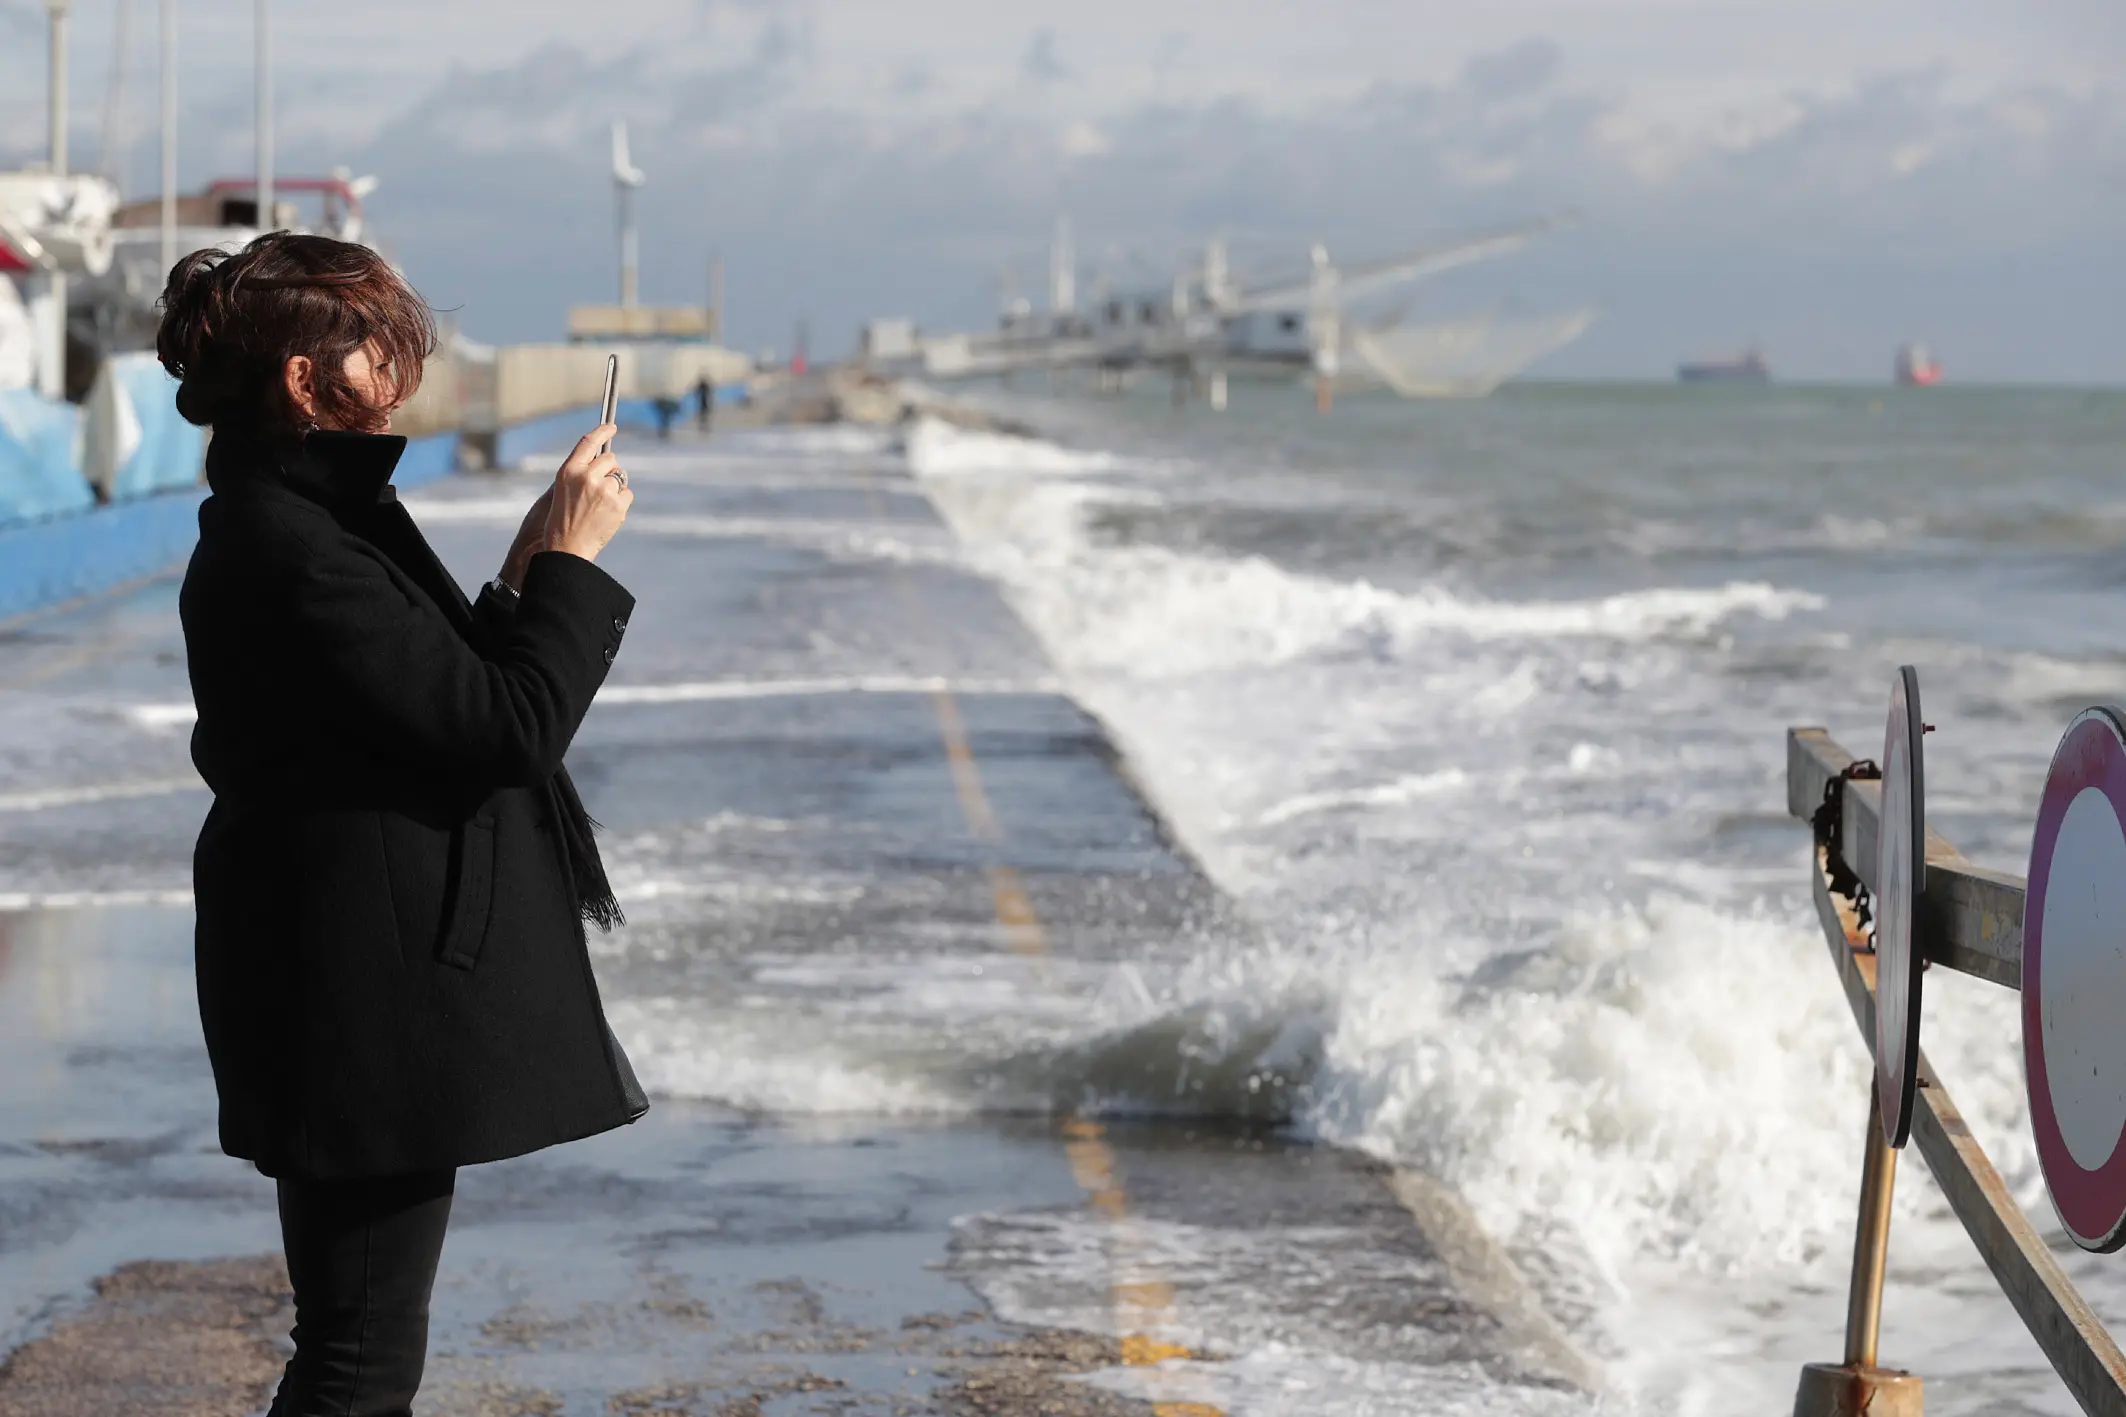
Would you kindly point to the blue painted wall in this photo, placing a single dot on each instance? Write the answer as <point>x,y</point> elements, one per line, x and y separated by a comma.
<point>62,558</point>
<point>427,459</point>
<point>40,463</point>
<point>44,563</point>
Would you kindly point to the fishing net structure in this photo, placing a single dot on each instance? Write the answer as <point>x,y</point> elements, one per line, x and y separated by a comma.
<point>1461,358</point>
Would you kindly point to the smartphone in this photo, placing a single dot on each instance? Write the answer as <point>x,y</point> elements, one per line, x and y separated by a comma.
<point>611,405</point>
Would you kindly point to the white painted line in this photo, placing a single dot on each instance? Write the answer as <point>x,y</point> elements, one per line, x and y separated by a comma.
<point>44,799</point>
<point>161,717</point>
<point>711,690</point>
<point>14,902</point>
<point>157,718</point>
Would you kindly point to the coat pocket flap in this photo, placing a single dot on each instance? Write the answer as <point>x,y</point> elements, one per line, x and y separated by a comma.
<point>472,894</point>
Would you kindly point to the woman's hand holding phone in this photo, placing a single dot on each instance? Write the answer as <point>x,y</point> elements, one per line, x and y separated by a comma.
<point>589,499</point>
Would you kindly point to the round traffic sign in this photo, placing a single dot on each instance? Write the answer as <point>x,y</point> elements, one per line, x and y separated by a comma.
<point>2074,980</point>
<point>1900,877</point>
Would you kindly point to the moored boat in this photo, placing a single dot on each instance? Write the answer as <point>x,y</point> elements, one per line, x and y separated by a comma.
<point>1747,367</point>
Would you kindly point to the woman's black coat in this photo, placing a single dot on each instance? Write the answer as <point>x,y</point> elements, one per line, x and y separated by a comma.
<point>392,965</point>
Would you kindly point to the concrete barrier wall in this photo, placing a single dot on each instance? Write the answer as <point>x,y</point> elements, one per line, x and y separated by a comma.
<point>439,405</point>
<point>556,433</point>
<point>535,380</point>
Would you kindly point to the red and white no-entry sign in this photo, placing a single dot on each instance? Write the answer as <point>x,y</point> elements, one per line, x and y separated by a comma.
<point>2074,980</point>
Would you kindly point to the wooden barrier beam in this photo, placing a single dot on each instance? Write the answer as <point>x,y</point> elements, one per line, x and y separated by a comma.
<point>1970,919</point>
<point>2072,1336</point>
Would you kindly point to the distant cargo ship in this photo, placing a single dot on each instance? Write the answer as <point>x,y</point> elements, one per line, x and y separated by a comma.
<point>1745,368</point>
<point>1916,367</point>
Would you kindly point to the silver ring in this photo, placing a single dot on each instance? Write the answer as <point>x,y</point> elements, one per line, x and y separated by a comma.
<point>618,476</point>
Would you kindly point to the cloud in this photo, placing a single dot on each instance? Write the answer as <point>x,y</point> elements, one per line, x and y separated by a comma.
<point>1168,53</point>
<point>1516,70</point>
<point>1040,63</point>
<point>1830,222</point>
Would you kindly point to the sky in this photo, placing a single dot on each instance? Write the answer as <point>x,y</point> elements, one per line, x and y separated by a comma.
<point>1823,179</point>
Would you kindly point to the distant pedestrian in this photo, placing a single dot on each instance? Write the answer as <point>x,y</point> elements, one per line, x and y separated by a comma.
<point>704,403</point>
<point>667,410</point>
<point>392,881</point>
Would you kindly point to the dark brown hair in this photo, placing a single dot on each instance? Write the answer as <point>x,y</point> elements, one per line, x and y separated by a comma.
<point>231,323</point>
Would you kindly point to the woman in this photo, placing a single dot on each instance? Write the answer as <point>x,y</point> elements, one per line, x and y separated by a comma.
<point>392,881</point>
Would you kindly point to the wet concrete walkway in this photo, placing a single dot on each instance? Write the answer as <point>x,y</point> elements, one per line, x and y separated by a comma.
<point>837,779</point>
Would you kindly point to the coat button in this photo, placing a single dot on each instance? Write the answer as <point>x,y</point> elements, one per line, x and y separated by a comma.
<point>608,654</point>
<point>619,626</point>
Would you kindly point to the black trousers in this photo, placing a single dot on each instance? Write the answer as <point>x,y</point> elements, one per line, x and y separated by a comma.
<point>362,1257</point>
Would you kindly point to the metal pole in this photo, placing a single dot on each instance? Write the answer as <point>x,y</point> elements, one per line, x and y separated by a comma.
<point>1871,1242</point>
<point>263,39</point>
<point>169,136</point>
<point>628,248</point>
<point>115,160</point>
<point>716,298</point>
<point>58,87</point>
<point>52,374</point>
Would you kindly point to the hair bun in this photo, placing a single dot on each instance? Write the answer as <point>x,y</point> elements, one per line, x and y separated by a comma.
<point>193,303</point>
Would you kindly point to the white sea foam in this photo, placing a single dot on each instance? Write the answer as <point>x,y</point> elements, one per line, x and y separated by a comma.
<point>1659,1079</point>
<point>1408,788</point>
<point>938,449</point>
<point>843,539</point>
<point>1281,1381</point>
<point>767,1065</point>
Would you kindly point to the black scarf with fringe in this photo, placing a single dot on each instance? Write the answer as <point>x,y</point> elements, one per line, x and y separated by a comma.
<point>594,894</point>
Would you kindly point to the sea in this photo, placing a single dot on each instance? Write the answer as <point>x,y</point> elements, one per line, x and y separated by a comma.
<point>1476,712</point>
<point>1478,709</point>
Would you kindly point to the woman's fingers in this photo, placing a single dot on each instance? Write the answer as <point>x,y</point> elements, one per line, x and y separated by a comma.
<point>588,445</point>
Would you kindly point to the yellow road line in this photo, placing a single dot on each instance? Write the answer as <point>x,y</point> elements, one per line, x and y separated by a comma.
<point>66,664</point>
<point>1141,1307</point>
<point>111,592</point>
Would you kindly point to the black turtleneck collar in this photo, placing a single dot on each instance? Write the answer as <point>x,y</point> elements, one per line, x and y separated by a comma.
<point>330,467</point>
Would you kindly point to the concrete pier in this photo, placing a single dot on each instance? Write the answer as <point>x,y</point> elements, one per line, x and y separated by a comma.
<point>829,745</point>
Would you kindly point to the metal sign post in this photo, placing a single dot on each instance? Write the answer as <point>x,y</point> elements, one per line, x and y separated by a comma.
<point>1901,876</point>
<point>2074,980</point>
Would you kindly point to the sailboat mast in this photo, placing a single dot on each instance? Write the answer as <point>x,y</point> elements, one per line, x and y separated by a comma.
<point>263,39</point>
<point>169,135</point>
<point>58,87</point>
<point>51,380</point>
